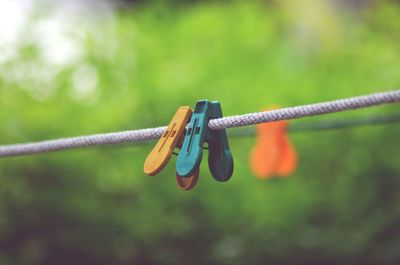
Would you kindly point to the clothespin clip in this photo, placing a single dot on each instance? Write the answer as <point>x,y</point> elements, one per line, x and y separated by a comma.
<point>173,137</point>
<point>220,159</point>
<point>273,154</point>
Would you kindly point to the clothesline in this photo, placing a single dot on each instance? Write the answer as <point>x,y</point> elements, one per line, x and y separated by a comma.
<point>214,124</point>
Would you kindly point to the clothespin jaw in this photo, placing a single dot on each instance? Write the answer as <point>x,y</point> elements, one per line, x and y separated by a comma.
<point>162,151</point>
<point>190,156</point>
<point>188,183</point>
<point>220,159</point>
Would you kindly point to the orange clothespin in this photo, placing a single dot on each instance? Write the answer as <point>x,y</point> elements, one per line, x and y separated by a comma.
<point>273,154</point>
<point>173,137</point>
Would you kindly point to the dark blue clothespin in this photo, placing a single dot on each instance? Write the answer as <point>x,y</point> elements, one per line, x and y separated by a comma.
<point>220,159</point>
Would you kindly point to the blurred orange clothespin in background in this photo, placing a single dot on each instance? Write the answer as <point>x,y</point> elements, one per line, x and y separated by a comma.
<point>273,154</point>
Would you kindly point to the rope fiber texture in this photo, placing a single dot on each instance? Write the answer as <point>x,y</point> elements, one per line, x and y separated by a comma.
<point>306,110</point>
<point>327,124</point>
<point>215,124</point>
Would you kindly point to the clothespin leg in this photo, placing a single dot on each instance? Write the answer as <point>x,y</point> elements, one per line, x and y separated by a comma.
<point>264,157</point>
<point>187,183</point>
<point>287,164</point>
<point>220,160</point>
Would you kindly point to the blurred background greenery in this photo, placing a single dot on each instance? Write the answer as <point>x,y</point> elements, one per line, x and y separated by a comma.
<point>80,67</point>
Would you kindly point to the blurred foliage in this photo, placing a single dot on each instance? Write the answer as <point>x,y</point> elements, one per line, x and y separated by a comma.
<point>95,206</point>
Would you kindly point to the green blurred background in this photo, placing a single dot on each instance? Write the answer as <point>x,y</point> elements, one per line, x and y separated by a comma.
<point>80,67</point>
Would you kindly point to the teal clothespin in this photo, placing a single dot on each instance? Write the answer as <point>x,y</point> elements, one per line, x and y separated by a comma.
<point>220,159</point>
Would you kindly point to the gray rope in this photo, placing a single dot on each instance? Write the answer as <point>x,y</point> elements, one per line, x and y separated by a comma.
<point>306,110</point>
<point>221,123</point>
<point>335,124</point>
<point>330,124</point>
<point>81,141</point>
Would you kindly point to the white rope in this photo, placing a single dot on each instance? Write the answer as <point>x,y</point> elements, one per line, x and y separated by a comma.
<point>221,123</point>
<point>306,110</point>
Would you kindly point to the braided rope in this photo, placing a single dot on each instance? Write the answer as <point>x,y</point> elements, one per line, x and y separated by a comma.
<point>306,110</point>
<point>326,124</point>
<point>221,123</point>
<point>81,141</point>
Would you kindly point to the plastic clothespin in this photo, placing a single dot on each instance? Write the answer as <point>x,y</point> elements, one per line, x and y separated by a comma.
<point>220,159</point>
<point>163,150</point>
<point>273,154</point>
